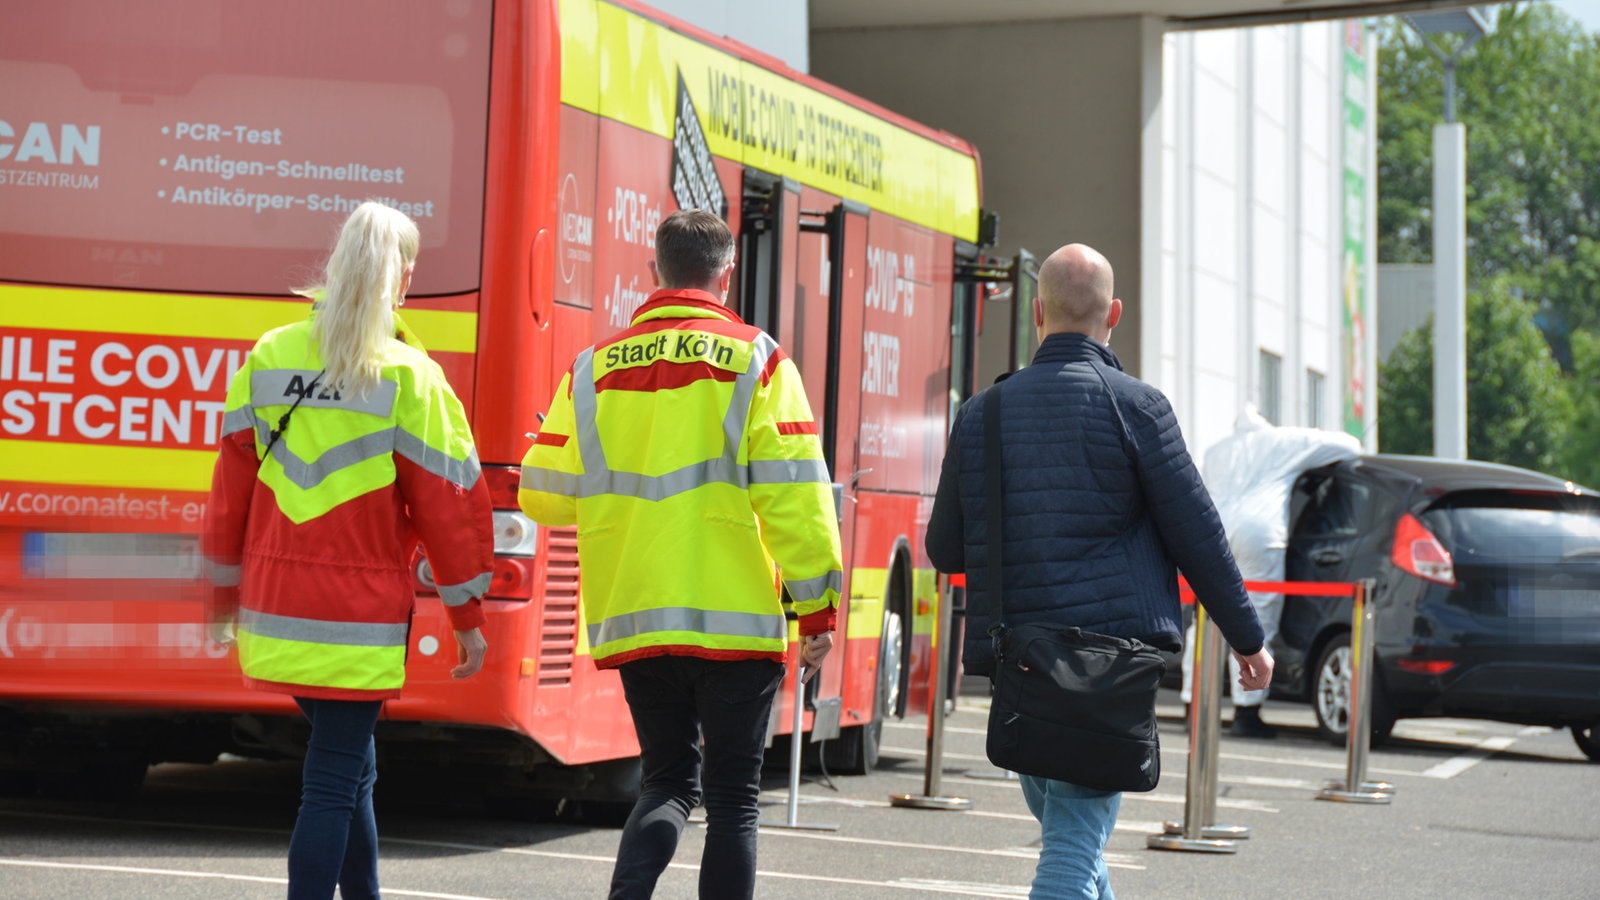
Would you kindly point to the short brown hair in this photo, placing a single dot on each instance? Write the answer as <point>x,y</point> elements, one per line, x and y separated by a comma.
<point>692,248</point>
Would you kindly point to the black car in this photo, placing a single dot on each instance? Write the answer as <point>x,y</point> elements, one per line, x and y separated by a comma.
<point>1487,598</point>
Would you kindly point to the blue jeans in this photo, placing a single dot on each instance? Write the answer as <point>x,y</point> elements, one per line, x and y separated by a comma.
<point>675,700</point>
<point>335,840</point>
<point>1076,822</point>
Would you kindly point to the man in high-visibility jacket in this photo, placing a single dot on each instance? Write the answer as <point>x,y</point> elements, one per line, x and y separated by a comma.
<point>685,451</point>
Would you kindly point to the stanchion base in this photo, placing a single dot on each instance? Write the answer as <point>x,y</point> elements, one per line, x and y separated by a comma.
<point>797,826</point>
<point>1365,787</point>
<point>990,775</point>
<point>1343,796</point>
<point>1193,845</point>
<point>1213,832</point>
<point>919,801</point>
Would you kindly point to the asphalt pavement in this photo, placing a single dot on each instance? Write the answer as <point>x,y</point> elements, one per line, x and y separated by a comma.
<point>1480,809</point>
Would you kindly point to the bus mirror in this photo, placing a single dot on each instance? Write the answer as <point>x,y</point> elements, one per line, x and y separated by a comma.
<point>988,227</point>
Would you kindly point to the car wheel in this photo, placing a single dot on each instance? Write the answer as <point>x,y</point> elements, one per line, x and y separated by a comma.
<point>1330,696</point>
<point>1587,738</point>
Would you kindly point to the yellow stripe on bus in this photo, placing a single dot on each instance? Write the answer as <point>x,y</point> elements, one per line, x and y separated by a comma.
<point>622,66</point>
<point>224,318</point>
<point>864,618</point>
<point>109,465</point>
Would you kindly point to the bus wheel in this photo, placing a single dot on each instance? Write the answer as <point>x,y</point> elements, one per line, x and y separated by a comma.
<point>118,779</point>
<point>856,750</point>
<point>14,785</point>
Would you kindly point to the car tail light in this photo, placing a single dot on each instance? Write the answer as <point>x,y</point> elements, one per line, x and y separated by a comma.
<point>1426,666</point>
<point>1417,551</point>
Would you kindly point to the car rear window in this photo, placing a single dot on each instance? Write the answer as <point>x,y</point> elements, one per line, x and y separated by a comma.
<point>1482,528</point>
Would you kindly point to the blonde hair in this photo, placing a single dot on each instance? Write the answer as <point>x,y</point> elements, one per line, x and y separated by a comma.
<point>360,289</point>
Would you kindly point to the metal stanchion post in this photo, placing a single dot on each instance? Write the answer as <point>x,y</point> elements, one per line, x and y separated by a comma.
<point>796,739</point>
<point>930,797</point>
<point>1200,798</point>
<point>1355,788</point>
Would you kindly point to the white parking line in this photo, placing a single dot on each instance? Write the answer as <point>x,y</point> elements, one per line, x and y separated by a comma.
<point>1000,891</point>
<point>219,876</point>
<point>1224,803</point>
<point>1141,826</point>
<point>1484,749</point>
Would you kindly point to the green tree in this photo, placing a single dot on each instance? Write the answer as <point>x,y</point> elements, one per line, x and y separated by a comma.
<point>1517,404</point>
<point>1527,94</point>
<point>1581,451</point>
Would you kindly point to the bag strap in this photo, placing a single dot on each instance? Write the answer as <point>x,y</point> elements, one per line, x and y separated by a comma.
<point>992,500</point>
<point>283,420</point>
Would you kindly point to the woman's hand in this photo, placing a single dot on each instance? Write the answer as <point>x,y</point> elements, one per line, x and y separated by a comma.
<point>471,648</point>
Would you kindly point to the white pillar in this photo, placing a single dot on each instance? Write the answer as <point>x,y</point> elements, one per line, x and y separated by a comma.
<point>1450,291</point>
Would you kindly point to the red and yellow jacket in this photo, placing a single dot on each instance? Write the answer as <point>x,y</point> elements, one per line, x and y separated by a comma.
<point>313,544</point>
<point>685,451</point>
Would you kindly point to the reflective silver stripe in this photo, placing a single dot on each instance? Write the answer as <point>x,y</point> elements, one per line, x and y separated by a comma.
<point>222,575</point>
<point>464,472</point>
<point>457,594</point>
<point>281,387</point>
<point>815,588</point>
<point>788,471</point>
<point>549,481</point>
<point>687,618</point>
<point>660,487</point>
<point>317,631</point>
<point>744,392</point>
<point>308,475</point>
<point>238,420</point>
<point>585,408</point>
<point>599,478</point>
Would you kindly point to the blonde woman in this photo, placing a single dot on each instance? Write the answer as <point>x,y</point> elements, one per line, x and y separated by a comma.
<point>342,443</point>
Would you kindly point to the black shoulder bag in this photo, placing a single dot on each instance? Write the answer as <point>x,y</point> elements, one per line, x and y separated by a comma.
<point>1068,704</point>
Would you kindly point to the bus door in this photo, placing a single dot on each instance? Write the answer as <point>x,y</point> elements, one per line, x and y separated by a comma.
<point>769,243</point>
<point>841,413</point>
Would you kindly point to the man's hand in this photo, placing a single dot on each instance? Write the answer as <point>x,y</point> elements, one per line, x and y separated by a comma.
<point>1255,671</point>
<point>813,650</point>
<point>470,647</point>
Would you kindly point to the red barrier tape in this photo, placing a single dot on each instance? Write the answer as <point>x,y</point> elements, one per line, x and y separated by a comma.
<point>1289,588</point>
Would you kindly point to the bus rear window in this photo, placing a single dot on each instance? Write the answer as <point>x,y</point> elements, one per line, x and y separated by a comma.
<point>189,145</point>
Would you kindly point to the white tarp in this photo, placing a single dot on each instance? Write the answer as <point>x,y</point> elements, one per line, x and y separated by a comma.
<point>1250,474</point>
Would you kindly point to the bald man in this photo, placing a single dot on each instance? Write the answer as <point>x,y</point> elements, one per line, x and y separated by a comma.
<point>1103,507</point>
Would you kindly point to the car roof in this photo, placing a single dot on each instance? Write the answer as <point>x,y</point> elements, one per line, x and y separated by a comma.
<point>1442,476</point>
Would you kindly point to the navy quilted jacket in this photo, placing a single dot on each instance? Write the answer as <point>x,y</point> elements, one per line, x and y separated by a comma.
<point>1097,520</point>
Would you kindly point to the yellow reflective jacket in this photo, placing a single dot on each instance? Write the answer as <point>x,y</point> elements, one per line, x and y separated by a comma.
<point>311,540</point>
<point>685,451</point>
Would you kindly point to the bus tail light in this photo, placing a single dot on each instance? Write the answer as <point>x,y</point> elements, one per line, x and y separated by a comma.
<point>1417,551</point>
<point>511,578</point>
<point>516,540</point>
<point>514,533</point>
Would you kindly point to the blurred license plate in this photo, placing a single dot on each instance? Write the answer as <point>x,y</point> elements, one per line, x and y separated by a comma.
<point>110,556</point>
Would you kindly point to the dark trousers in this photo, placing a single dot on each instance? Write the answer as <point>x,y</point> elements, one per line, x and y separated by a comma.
<point>675,700</point>
<point>335,840</point>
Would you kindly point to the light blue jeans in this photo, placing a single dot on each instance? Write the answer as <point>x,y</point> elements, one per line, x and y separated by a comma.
<point>1076,822</point>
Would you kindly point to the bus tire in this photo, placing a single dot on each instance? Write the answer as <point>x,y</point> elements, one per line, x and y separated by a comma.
<point>857,749</point>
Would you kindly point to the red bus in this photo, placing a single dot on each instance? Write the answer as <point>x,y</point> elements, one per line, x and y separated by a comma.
<point>166,180</point>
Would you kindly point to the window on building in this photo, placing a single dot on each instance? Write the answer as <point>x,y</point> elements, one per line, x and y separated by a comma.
<point>1270,401</point>
<point>1316,384</point>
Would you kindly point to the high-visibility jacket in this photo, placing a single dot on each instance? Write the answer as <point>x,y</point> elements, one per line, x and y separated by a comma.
<point>685,451</point>
<point>313,543</point>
